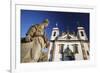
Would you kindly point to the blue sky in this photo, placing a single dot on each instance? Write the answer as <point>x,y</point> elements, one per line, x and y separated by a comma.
<point>66,21</point>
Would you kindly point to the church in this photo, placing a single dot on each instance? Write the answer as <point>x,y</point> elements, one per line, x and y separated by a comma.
<point>68,46</point>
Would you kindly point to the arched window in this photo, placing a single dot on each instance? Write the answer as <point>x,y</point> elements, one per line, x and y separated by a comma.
<point>54,34</point>
<point>82,34</point>
<point>75,48</point>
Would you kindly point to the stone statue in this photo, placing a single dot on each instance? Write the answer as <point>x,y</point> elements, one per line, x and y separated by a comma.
<point>34,42</point>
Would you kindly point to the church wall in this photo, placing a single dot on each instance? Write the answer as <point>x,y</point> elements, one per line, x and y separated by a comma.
<point>86,48</point>
<point>74,40</point>
<point>79,56</point>
<point>50,48</point>
<point>57,55</point>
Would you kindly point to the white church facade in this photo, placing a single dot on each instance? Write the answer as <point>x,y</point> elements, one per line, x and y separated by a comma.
<point>68,46</point>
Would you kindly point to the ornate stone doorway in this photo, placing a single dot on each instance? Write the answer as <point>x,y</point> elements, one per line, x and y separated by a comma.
<point>67,54</point>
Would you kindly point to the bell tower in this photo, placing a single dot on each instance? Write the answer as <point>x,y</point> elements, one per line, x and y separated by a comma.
<point>81,33</point>
<point>84,46</point>
<point>55,33</point>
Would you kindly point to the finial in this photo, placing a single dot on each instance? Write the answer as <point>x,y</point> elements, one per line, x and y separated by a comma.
<point>56,24</point>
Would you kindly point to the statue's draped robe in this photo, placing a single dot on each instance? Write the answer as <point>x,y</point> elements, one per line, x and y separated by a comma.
<point>31,50</point>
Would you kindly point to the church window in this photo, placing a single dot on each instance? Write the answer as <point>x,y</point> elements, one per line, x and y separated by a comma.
<point>82,33</point>
<point>54,34</point>
<point>88,52</point>
<point>75,48</point>
<point>61,49</point>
